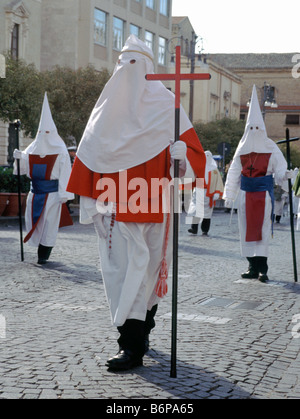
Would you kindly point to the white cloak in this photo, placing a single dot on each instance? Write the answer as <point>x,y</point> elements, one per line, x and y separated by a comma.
<point>130,269</point>
<point>46,231</point>
<point>277,166</point>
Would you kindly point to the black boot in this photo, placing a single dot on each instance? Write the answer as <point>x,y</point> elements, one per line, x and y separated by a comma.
<point>43,254</point>
<point>205,226</point>
<point>252,272</point>
<point>149,325</point>
<point>262,268</point>
<point>193,229</point>
<point>132,346</point>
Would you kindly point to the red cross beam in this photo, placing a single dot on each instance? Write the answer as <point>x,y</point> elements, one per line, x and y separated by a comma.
<point>178,76</point>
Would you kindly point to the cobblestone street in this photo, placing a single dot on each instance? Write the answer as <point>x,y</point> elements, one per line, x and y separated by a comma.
<point>237,338</point>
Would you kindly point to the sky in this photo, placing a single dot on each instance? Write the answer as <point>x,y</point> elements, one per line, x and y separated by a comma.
<point>235,26</point>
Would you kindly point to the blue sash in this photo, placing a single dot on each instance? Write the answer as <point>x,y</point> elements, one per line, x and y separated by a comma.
<point>41,186</point>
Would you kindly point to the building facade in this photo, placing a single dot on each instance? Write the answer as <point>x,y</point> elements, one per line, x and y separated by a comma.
<point>278,86</point>
<point>204,101</point>
<point>20,29</point>
<point>77,33</point>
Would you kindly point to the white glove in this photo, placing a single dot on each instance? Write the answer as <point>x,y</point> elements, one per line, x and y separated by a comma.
<point>216,196</point>
<point>17,154</point>
<point>99,225</point>
<point>229,203</point>
<point>288,175</point>
<point>178,150</point>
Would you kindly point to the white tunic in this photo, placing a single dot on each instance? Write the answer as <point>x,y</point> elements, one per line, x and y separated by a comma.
<point>130,268</point>
<point>47,227</point>
<point>277,166</point>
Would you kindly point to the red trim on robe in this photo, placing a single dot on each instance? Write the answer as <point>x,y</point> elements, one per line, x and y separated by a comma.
<point>65,217</point>
<point>84,182</point>
<point>255,201</point>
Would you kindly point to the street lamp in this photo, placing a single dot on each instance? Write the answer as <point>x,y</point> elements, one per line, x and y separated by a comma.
<point>268,99</point>
<point>192,57</point>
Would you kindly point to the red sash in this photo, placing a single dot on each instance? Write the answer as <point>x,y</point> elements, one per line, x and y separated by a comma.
<point>255,165</point>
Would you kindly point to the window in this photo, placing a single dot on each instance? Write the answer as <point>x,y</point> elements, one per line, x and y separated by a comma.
<point>100,19</point>
<point>164,7</point>
<point>118,33</point>
<point>292,120</point>
<point>149,39</point>
<point>134,30</point>
<point>150,4</point>
<point>162,43</point>
<point>15,42</point>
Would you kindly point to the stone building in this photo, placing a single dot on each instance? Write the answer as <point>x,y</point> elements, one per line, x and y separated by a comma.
<point>277,80</point>
<point>81,32</point>
<point>204,101</point>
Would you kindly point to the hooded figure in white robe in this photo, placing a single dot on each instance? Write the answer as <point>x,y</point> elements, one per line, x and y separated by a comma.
<point>127,148</point>
<point>47,163</point>
<point>256,164</point>
<point>204,199</point>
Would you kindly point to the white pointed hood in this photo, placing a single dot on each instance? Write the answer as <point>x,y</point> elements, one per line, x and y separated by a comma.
<point>255,137</point>
<point>47,140</point>
<point>133,120</point>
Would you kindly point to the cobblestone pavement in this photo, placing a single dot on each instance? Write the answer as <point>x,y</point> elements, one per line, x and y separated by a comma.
<point>237,338</point>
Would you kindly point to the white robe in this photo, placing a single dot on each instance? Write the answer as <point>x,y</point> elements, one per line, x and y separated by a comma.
<point>130,269</point>
<point>277,166</point>
<point>46,231</point>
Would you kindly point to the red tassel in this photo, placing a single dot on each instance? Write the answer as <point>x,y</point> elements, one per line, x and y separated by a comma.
<point>162,286</point>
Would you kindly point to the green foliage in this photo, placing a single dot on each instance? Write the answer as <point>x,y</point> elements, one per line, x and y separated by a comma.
<point>72,96</point>
<point>9,181</point>
<point>224,130</point>
<point>20,94</point>
<point>294,154</point>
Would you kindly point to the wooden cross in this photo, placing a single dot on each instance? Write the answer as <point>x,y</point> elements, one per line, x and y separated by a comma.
<point>178,76</point>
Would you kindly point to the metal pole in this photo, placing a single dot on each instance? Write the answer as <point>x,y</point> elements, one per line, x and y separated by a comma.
<point>17,124</point>
<point>288,158</point>
<point>288,155</point>
<point>175,223</point>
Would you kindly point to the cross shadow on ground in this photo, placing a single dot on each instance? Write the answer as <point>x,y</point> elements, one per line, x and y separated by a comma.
<point>191,381</point>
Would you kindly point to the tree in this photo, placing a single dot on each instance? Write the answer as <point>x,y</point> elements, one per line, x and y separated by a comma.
<point>72,95</point>
<point>20,94</point>
<point>224,130</point>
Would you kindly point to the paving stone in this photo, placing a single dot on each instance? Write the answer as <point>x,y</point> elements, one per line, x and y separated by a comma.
<point>58,333</point>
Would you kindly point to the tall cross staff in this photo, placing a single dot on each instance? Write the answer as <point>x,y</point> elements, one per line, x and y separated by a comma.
<point>288,158</point>
<point>17,124</point>
<point>178,76</point>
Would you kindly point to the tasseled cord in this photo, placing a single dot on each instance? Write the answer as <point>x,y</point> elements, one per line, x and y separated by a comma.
<point>162,286</point>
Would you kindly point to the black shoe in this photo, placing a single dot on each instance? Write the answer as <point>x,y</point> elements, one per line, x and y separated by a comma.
<point>191,230</point>
<point>124,360</point>
<point>147,343</point>
<point>250,275</point>
<point>204,233</point>
<point>263,278</point>
<point>43,254</point>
